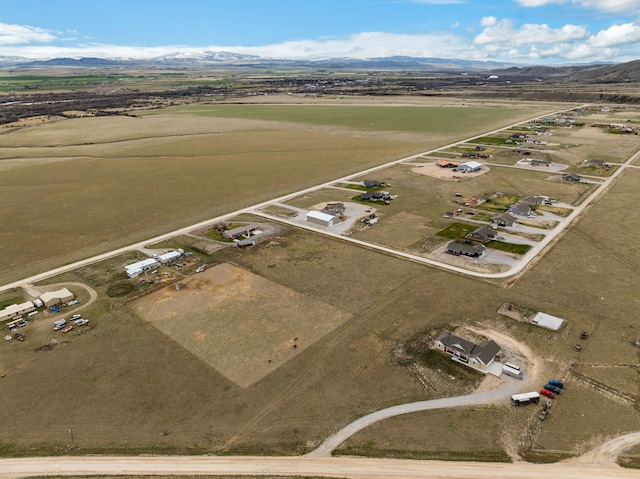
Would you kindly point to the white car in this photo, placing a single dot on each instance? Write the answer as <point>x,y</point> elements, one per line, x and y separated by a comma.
<point>75,316</point>
<point>82,322</point>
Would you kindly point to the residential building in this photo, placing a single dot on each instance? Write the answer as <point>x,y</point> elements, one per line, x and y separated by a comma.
<point>460,249</point>
<point>483,233</point>
<point>520,209</point>
<point>478,356</point>
<point>504,219</point>
<point>571,177</point>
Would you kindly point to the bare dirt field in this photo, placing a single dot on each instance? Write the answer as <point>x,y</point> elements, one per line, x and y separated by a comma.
<point>448,173</point>
<point>239,323</point>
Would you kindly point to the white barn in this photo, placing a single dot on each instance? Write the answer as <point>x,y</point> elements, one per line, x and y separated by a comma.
<point>134,270</point>
<point>322,219</point>
<point>470,166</point>
<point>169,256</point>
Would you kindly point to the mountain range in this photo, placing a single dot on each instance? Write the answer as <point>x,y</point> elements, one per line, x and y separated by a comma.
<point>625,72</point>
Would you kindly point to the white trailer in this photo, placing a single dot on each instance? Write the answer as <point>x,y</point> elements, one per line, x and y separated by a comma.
<point>514,373</point>
<point>525,398</point>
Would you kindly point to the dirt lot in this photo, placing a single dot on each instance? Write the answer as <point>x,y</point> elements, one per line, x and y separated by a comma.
<point>239,323</point>
<point>448,173</point>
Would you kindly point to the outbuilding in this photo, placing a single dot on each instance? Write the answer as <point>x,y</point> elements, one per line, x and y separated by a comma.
<point>53,298</point>
<point>470,167</point>
<point>322,219</point>
<point>134,270</point>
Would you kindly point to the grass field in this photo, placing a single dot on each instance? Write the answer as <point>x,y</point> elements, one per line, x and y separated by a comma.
<point>89,185</point>
<point>130,386</point>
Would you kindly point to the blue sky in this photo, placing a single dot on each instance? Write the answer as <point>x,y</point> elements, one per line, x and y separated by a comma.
<point>517,31</point>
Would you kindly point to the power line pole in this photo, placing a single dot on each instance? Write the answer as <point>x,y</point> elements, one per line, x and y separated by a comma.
<point>73,443</point>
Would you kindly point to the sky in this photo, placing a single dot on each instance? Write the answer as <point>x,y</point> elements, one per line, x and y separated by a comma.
<point>528,32</point>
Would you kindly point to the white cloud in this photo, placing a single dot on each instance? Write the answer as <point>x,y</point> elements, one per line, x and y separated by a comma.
<point>20,34</point>
<point>608,6</point>
<point>616,35</point>
<point>504,32</point>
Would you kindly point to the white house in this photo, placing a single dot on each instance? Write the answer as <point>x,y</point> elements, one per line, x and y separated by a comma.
<point>16,310</point>
<point>134,270</point>
<point>322,219</point>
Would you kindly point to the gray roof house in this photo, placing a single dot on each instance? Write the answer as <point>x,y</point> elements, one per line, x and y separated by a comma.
<point>504,219</point>
<point>373,184</point>
<point>534,200</point>
<point>478,356</point>
<point>520,209</point>
<point>484,234</point>
<point>571,177</point>
<point>459,249</point>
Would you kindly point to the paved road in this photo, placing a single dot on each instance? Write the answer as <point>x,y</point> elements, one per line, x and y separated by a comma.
<point>347,467</point>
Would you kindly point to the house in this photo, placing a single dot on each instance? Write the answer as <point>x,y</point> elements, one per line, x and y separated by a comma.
<point>244,230</point>
<point>374,196</point>
<point>321,219</point>
<point>571,177</point>
<point>477,356</point>
<point>448,164</point>
<point>534,200</point>
<point>335,209</point>
<point>133,270</point>
<point>504,219</point>
<point>16,310</point>
<point>520,209</point>
<point>484,234</point>
<point>458,249</point>
<point>470,167</point>
<point>373,184</point>
<point>53,298</point>
<point>598,164</point>
<point>538,162</point>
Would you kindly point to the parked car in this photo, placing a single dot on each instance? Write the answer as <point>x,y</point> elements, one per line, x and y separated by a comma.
<point>74,317</point>
<point>549,394</point>
<point>556,383</point>
<point>553,389</point>
<point>82,322</point>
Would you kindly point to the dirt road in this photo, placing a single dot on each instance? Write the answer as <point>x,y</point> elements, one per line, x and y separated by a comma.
<point>349,467</point>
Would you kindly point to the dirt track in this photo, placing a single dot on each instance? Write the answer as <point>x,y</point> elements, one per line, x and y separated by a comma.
<point>302,466</point>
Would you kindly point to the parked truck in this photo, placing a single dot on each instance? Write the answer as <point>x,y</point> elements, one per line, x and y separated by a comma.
<point>525,398</point>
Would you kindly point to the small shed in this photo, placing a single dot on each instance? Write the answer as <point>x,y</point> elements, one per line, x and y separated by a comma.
<point>547,321</point>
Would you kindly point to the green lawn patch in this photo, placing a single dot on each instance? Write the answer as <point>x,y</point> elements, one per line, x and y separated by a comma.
<point>509,247</point>
<point>456,230</point>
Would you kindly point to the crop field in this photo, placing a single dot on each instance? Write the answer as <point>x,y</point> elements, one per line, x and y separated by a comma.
<point>166,371</point>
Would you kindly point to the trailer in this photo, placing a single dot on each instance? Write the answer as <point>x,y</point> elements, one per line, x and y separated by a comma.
<point>525,398</point>
<point>514,373</point>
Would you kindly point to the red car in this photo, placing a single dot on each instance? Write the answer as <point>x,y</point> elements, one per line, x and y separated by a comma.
<point>549,394</point>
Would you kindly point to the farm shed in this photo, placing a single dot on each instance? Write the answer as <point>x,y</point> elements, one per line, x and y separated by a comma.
<point>134,270</point>
<point>320,218</point>
<point>52,298</point>
<point>470,167</point>
<point>547,321</point>
<point>245,230</point>
<point>169,256</point>
<point>16,310</point>
<point>477,356</point>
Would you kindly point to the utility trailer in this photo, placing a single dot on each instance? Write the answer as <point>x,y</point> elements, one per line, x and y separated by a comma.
<point>525,398</point>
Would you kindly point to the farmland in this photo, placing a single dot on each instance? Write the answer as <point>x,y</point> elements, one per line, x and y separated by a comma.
<point>213,368</point>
